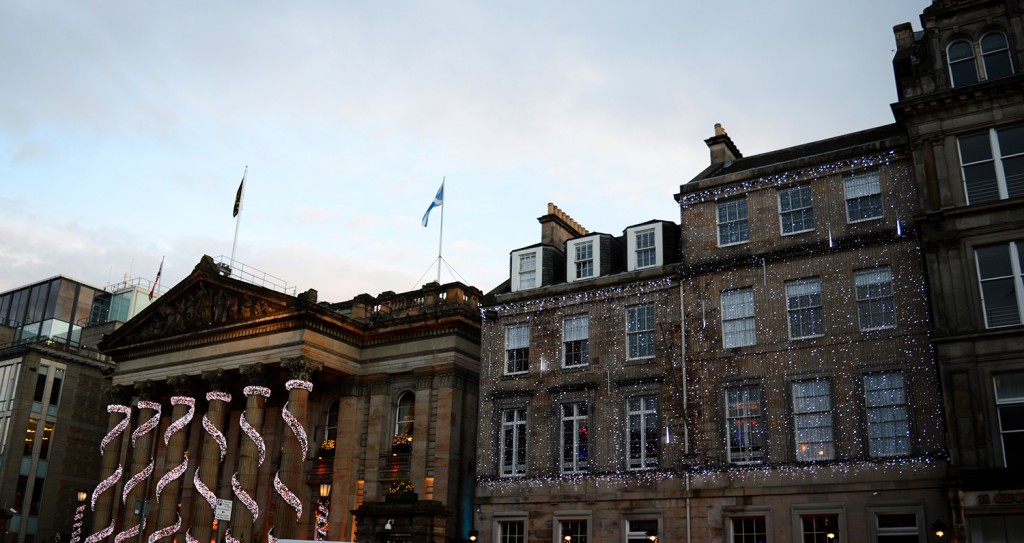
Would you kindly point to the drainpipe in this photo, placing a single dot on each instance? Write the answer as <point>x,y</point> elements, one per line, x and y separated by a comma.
<point>686,409</point>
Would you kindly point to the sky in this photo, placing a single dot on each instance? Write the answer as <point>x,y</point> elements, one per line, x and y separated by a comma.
<point>126,126</point>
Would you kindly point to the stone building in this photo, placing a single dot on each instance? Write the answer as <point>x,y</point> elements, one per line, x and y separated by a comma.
<point>51,381</point>
<point>813,400</point>
<point>352,419</point>
<point>961,104</point>
<point>581,414</point>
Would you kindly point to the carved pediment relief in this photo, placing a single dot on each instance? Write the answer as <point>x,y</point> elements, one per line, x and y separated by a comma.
<point>201,307</point>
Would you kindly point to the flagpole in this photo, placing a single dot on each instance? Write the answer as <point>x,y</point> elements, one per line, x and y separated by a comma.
<point>440,235</point>
<point>238,217</point>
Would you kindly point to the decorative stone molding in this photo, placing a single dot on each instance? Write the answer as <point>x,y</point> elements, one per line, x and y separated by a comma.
<point>119,394</point>
<point>181,385</point>
<point>255,374</point>
<point>379,384</point>
<point>301,367</point>
<point>146,390</point>
<point>214,379</point>
<point>201,307</point>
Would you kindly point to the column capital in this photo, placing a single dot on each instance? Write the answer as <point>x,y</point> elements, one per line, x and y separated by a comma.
<point>301,367</point>
<point>146,390</point>
<point>424,378</point>
<point>255,374</point>
<point>119,394</point>
<point>214,379</point>
<point>181,385</point>
<point>378,384</point>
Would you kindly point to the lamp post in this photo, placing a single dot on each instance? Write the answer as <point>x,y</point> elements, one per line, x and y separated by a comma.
<point>472,535</point>
<point>76,530</point>
<point>323,510</point>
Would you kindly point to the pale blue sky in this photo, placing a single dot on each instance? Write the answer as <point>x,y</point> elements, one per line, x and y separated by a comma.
<point>125,126</point>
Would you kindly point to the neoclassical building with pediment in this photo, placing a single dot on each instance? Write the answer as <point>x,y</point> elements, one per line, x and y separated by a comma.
<point>240,410</point>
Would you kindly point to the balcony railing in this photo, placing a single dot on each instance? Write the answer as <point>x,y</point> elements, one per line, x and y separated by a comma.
<point>319,470</point>
<point>393,465</point>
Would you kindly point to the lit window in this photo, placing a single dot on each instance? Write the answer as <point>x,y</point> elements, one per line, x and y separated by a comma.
<point>405,414</point>
<point>528,270</point>
<point>642,432</point>
<point>511,531</point>
<point>962,67</point>
<point>992,164</point>
<point>575,451</point>
<point>819,528</point>
<point>584,260</point>
<point>803,303</point>
<point>733,227</point>
<point>1001,283</point>
<point>575,529</point>
<point>646,252</point>
<point>331,422</point>
<point>863,195</point>
<point>812,420</point>
<point>640,330</point>
<point>637,530</point>
<point>875,306</point>
<point>795,211</point>
<point>995,55</point>
<point>896,527</point>
<point>576,340</point>
<point>885,401</point>
<point>1010,403</point>
<point>517,348</point>
<point>744,425</point>
<point>749,530</point>
<point>513,442</point>
<point>738,318</point>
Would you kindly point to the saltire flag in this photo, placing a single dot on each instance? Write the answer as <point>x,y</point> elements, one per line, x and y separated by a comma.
<point>156,281</point>
<point>238,198</point>
<point>438,201</point>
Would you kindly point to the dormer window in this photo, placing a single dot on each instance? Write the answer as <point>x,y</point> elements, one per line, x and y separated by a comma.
<point>646,245</point>
<point>526,266</point>
<point>646,251</point>
<point>528,270</point>
<point>584,260</point>
<point>994,50</point>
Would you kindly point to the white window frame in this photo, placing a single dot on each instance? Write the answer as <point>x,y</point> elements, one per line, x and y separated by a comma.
<point>733,219</point>
<point>584,259</point>
<point>740,537</point>
<point>873,289</point>
<point>640,341</point>
<point>575,518</point>
<point>1010,401</point>
<point>808,309</point>
<point>517,337</point>
<point>573,424</point>
<point>520,274</point>
<point>576,341</point>
<point>745,411</point>
<point>813,430</point>
<point>639,414</point>
<point>738,325</point>
<point>512,463</point>
<point>787,209</point>
<point>882,534</point>
<point>861,188</point>
<point>503,536</point>
<point>998,161</point>
<point>1017,282</point>
<point>573,260</point>
<point>887,414</point>
<point>637,238</point>
<point>405,419</point>
<point>634,529</point>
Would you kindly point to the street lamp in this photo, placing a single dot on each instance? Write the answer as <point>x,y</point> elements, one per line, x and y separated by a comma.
<point>472,535</point>
<point>323,510</point>
<point>939,528</point>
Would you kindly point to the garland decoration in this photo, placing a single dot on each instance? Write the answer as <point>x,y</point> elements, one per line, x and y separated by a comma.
<point>252,389</point>
<point>244,497</point>
<point>297,429</point>
<point>322,522</point>
<point>181,423</point>
<point>270,536</point>
<point>164,532</point>
<point>105,485</point>
<point>204,490</point>
<point>135,480</point>
<point>119,427</point>
<point>150,424</point>
<point>257,439</point>
<point>171,475</point>
<point>230,538</point>
<point>130,533</point>
<point>76,530</point>
<point>299,383</point>
<point>189,538</point>
<point>289,497</point>
<point>215,434</point>
<point>102,534</point>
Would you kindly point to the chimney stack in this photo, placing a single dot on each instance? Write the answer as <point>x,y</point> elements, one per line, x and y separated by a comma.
<point>723,150</point>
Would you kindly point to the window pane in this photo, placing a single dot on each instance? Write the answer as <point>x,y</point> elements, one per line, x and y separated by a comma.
<point>961,63</point>
<point>996,56</point>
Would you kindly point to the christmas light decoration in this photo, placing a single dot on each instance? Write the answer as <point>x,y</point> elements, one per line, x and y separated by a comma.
<point>164,532</point>
<point>106,484</point>
<point>171,475</point>
<point>76,530</point>
<point>119,427</point>
<point>322,523</point>
<point>230,538</point>
<point>101,535</point>
<point>189,538</point>
<point>244,497</point>
<point>204,490</point>
<point>150,424</point>
<point>215,434</point>
<point>270,536</point>
<point>181,423</point>
<point>135,480</point>
<point>296,427</point>
<point>130,532</point>
<point>299,383</point>
<point>288,496</point>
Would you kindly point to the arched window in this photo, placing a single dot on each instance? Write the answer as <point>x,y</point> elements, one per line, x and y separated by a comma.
<point>405,413</point>
<point>995,55</point>
<point>962,67</point>
<point>331,421</point>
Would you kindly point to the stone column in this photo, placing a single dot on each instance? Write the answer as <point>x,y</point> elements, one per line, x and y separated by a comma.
<point>449,433</point>
<point>378,434</point>
<point>118,421</point>
<point>252,453</point>
<point>346,462</point>
<point>183,407</point>
<point>142,454</point>
<point>212,455</point>
<point>293,456</point>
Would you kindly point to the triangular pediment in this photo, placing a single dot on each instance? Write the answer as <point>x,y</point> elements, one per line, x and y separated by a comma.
<point>202,303</point>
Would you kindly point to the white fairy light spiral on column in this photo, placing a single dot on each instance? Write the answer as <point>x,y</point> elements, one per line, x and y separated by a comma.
<point>215,434</point>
